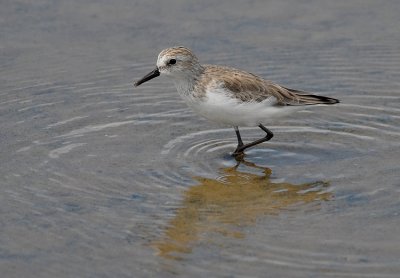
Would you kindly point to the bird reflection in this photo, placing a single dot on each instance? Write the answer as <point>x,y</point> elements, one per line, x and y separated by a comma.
<point>234,200</point>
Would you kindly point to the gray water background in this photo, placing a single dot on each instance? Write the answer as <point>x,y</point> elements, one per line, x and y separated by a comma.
<point>99,179</point>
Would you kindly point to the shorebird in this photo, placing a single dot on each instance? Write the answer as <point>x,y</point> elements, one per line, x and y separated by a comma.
<point>229,96</point>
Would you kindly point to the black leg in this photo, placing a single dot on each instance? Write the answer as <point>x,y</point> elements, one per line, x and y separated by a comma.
<point>238,152</point>
<point>241,147</point>
<point>239,138</point>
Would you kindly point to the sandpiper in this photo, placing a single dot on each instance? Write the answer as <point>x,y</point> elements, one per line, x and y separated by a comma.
<point>229,96</point>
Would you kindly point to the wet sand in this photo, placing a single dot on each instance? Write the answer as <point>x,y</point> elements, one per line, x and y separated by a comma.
<point>101,179</point>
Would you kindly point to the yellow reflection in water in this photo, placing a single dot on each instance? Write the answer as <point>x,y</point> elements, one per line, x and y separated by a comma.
<point>225,204</point>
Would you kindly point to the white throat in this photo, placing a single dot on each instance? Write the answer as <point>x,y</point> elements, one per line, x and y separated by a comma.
<point>184,85</point>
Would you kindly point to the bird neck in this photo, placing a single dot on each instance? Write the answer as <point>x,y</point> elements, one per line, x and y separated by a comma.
<point>185,86</point>
<point>186,83</point>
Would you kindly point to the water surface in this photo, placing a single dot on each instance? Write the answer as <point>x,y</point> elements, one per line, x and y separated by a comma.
<point>100,179</point>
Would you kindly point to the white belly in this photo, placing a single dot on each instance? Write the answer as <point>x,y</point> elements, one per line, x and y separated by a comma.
<point>220,108</point>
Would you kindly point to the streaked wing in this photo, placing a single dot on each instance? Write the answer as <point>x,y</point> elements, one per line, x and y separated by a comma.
<point>249,87</point>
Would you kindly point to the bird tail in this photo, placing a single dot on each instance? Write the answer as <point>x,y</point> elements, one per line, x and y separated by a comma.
<point>304,98</point>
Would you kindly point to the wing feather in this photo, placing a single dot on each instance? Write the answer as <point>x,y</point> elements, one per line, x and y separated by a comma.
<point>248,87</point>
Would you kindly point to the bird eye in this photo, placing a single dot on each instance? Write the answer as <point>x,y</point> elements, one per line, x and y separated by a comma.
<point>172,62</point>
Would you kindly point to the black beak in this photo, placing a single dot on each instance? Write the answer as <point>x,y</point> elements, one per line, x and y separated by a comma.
<point>147,77</point>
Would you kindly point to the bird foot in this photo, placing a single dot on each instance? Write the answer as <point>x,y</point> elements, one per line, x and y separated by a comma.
<point>238,154</point>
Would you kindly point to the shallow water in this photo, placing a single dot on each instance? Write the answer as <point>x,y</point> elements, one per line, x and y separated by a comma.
<point>100,179</point>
